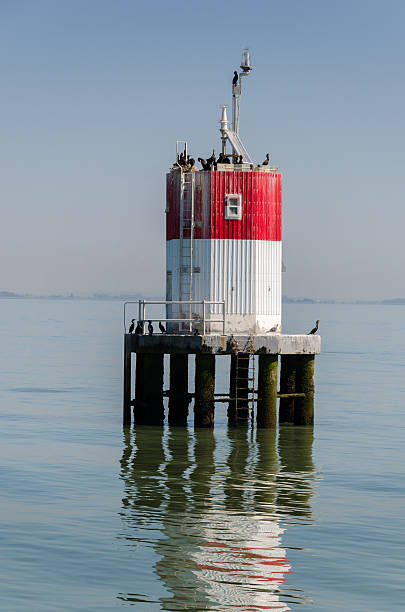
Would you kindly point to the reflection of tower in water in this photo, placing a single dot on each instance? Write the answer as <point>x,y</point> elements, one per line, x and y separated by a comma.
<point>214,506</point>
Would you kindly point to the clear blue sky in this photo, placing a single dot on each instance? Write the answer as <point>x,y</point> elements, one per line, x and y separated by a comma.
<point>94,95</point>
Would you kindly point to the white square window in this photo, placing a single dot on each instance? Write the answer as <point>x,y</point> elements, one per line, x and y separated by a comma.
<point>233,206</point>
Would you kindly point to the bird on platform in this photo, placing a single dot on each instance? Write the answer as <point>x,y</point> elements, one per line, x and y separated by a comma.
<point>235,78</point>
<point>150,328</point>
<point>240,160</point>
<point>162,328</point>
<point>211,160</point>
<point>204,163</point>
<point>132,326</point>
<point>266,161</point>
<point>196,332</point>
<point>315,329</point>
<point>139,329</point>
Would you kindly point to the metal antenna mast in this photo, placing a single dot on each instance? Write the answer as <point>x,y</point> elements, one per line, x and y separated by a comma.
<point>246,68</point>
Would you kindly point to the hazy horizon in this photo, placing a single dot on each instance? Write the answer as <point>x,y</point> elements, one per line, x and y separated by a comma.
<point>95,95</point>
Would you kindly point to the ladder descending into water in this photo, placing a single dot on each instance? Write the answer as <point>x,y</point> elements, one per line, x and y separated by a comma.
<point>187,225</point>
<point>245,393</point>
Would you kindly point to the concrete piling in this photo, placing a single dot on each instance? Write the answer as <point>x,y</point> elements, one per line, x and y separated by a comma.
<point>178,394</point>
<point>287,385</point>
<point>204,390</point>
<point>304,383</point>
<point>127,383</point>
<point>267,391</point>
<point>149,408</point>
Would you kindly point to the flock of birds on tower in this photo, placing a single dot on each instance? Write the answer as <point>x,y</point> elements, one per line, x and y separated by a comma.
<point>139,329</point>
<point>187,163</point>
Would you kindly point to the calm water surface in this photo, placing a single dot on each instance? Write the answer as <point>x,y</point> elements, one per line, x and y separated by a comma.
<point>97,518</point>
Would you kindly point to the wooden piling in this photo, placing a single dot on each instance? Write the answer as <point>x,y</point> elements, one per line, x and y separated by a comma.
<point>178,394</point>
<point>304,383</point>
<point>204,390</point>
<point>149,408</point>
<point>126,417</point>
<point>267,391</point>
<point>287,385</point>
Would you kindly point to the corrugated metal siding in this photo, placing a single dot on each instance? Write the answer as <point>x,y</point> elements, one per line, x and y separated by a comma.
<point>261,205</point>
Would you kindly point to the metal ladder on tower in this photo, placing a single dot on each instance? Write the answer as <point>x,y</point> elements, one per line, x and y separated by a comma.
<point>187,188</point>
<point>245,393</point>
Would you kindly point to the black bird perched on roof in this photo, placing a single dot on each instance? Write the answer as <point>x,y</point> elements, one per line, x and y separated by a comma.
<point>211,160</point>
<point>240,159</point>
<point>139,329</point>
<point>162,328</point>
<point>132,326</point>
<point>315,329</point>
<point>204,163</point>
<point>266,161</point>
<point>150,328</point>
<point>235,78</point>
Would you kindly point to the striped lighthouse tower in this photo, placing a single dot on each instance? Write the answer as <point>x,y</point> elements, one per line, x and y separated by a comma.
<point>223,235</point>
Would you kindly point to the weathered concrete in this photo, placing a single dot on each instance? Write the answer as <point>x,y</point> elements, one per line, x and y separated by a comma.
<point>178,394</point>
<point>304,383</point>
<point>287,385</point>
<point>139,400</point>
<point>267,391</point>
<point>204,390</point>
<point>274,344</point>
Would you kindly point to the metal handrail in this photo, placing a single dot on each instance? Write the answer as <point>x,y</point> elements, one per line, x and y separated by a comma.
<point>142,312</point>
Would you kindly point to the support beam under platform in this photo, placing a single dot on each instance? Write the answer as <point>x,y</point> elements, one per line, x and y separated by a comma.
<point>149,390</point>
<point>304,383</point>
<point>267,391</point>
<point>204,390</point>
<point>178,390</point>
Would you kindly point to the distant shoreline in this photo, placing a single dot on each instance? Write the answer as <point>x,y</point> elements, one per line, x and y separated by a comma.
<point>122,297</point>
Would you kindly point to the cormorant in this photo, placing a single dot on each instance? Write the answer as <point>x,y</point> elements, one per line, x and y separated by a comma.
<point>240,160</point>
<point>235,78</point>
<point>211,160</point>
<point>132,326</point>
<point>196,332</point>
<point>139,329</point>
<point>162,328</point>
<point>204,163</point>
<point>266,161</point>
<point>150,328</point>
<point>315,329</point>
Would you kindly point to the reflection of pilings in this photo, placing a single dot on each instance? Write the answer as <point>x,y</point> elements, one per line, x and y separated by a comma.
<point>265,469</point>
<point>287,385</point>
<point>267,391</point>
<point>304,383</point>
<point>204,390</point>
<point>235,480</point>
<point>296,470</point>
<point>149,387</point>
<point>178,396</point>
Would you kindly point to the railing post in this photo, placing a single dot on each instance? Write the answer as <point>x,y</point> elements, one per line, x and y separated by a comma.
<point>143,315</point>
<point>203,302</point>
<point>223,317</point>
<point>139,311</point>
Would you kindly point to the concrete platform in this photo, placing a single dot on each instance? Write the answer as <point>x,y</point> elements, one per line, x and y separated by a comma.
<point>271,344</point>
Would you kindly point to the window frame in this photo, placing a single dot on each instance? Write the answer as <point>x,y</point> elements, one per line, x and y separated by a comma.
<point>232,216</point>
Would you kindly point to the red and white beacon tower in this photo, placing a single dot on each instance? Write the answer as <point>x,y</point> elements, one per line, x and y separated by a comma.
<point>223,235</point>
